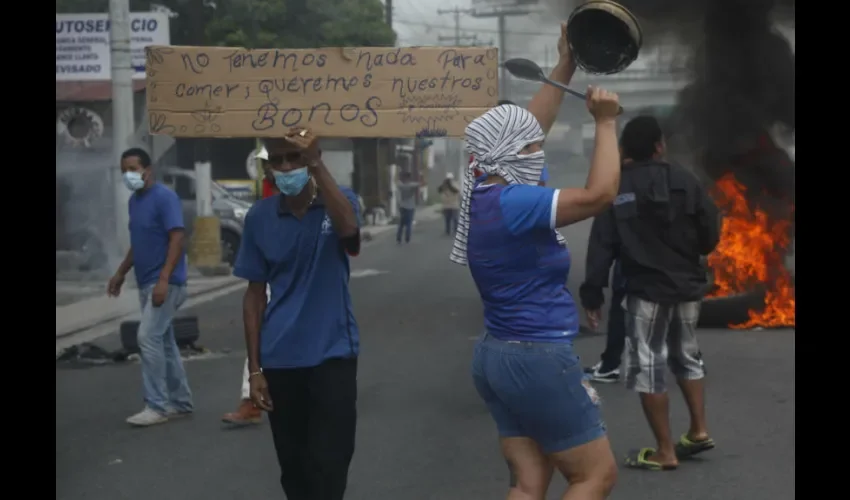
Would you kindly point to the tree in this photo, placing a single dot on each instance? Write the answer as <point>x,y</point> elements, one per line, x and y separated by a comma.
<point>266,23</point>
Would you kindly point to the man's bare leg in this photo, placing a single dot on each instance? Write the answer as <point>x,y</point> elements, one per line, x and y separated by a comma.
<point>694,393</point>
<point>590,470</point>
<point>530,470</point>
<point>656,407</point>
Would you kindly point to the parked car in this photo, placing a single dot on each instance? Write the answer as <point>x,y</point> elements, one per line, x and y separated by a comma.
<point>229,209</point>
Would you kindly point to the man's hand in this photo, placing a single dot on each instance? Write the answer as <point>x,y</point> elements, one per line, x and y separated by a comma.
<point>307,143</point>
<point>160,292</point>
<point>594,316</point>
<point>260,392</point>
<point>113,288</point>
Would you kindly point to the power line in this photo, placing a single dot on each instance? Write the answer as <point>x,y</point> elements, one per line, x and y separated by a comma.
<point>475,30</point>
<point>458,38</point>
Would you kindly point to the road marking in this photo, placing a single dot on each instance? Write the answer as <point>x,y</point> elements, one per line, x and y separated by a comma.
<point>362,273</point>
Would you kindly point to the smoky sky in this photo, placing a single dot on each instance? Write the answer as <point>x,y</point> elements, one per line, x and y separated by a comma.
<point>742,83</point>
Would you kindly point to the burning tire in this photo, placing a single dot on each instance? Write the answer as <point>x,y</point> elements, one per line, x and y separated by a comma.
<point>720,312</point>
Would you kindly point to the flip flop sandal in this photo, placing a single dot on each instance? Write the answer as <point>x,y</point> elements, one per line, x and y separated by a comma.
<point>637,459</point>
<point>687,447</point>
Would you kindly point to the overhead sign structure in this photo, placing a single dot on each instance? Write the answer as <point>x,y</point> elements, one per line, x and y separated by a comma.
<point>337,92</point>
<point>82,44</point>
<point>486,4</point>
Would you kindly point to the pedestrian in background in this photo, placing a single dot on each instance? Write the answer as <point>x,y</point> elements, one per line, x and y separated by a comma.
<point>157,256</point>
<point>607,370</point>
<point>450,200</point>
<point>303,343</point>
<point>596,270</point>
<point>408,193</point>
<point>247,413</point>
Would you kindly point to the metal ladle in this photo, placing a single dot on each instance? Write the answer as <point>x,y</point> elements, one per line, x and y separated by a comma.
<point>526,69</point>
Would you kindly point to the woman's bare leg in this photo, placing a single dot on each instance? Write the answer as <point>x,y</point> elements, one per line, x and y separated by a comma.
<point>530,470</point>
<point>590,470</point>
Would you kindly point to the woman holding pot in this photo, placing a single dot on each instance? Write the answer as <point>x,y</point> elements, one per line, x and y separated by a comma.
<point>524,366</point>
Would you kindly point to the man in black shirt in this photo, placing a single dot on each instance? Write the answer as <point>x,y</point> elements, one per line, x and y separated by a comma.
<point>607,370</point>
<point>660,225</point>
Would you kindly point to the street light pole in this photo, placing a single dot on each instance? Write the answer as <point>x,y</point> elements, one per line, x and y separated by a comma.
<point>205,244</point>
<point>123,120</point>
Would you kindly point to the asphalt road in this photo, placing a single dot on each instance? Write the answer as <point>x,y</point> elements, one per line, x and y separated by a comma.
<point>423,434</point>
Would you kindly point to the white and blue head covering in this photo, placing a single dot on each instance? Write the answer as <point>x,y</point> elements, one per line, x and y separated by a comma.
<point>495,140</point>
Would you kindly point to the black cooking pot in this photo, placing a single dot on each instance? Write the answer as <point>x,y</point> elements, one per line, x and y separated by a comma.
<point>604,37</point>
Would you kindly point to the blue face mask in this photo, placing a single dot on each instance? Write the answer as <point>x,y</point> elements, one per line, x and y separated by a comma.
<point>291,183</point>
<point>133,181</point>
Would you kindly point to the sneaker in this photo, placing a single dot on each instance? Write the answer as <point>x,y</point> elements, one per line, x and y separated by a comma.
<point>590,370</point>
<point>174,413</point>
<point>146,418</point>
<point>246,414</point>
<point>605,377</point>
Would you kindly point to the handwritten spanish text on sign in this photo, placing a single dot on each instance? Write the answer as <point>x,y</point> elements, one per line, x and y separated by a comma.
<point>337,92</point>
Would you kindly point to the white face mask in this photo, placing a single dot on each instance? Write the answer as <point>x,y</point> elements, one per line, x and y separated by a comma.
<point>536,160</point>
<point>133,181</point>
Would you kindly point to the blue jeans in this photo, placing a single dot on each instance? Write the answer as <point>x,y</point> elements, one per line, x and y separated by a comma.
<point>536,390</point>
<point>163,377</point>
<point>405,223</point>
<point>450,216</point>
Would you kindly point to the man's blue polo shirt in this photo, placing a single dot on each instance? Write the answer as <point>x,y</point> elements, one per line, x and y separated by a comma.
<point>153,213</point>
<point>309,317</point>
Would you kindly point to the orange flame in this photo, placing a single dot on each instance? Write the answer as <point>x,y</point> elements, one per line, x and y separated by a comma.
<point>750,254</point>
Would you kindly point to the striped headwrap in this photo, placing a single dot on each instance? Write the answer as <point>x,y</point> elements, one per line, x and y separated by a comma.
<point>495,140</point>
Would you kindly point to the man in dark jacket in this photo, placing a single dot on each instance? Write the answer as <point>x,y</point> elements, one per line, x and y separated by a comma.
<point>607,370</point>
<point>660,226</point>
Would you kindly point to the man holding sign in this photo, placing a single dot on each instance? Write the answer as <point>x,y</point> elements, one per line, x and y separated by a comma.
<point>303,344</point>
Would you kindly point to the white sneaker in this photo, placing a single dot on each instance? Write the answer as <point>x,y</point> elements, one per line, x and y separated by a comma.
<point>146,418</point>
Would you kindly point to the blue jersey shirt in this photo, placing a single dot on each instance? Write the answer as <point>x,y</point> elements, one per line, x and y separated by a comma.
<point>517,264</point>
<point>153,213</point>
<point>309,316</point>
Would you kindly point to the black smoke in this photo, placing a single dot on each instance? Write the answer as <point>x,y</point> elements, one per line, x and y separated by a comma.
<point>742,85</point>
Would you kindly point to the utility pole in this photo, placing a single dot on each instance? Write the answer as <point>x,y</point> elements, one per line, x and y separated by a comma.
<point>458,38</point>
<point>123,119</point>
<point>205,245</point>
<point>454,148</point>
<point>386,170</point>
<point>501,14</point>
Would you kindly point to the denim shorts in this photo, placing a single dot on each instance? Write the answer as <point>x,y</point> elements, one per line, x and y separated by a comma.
<point>537,390</point>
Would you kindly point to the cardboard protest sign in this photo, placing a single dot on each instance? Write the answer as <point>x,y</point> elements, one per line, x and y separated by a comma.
<point>337,92</point>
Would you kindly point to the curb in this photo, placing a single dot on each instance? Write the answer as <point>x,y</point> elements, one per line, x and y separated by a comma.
<point>121,316</point>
